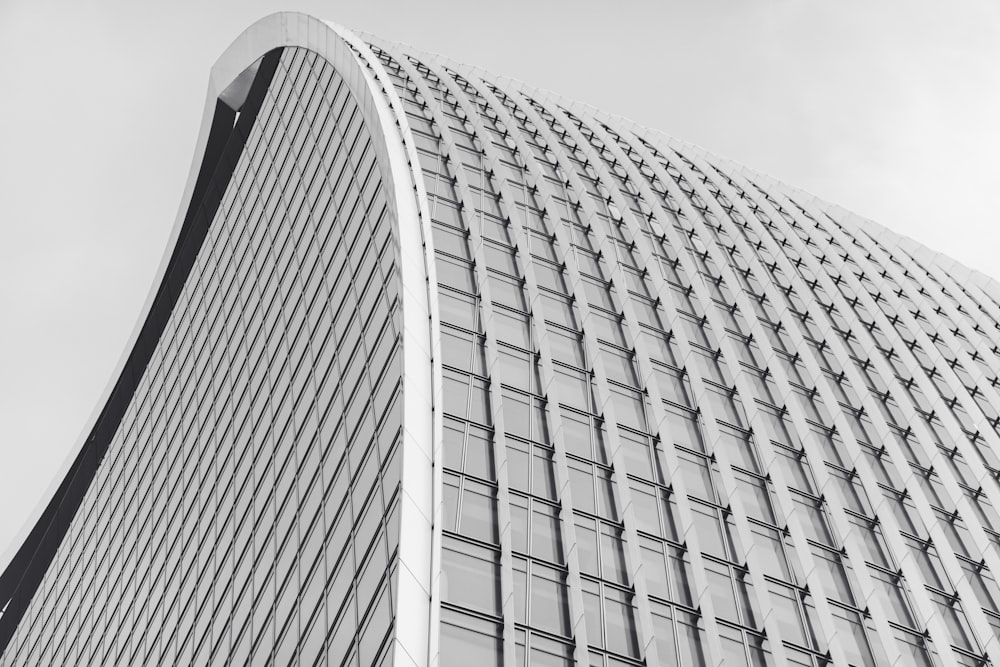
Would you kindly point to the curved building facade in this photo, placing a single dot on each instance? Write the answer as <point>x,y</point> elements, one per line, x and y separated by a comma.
<point>442,370</point>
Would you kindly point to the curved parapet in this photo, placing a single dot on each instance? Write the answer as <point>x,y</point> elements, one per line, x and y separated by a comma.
<point>269,431</point>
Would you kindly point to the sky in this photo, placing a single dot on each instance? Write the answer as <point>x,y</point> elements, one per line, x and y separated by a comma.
<point>888,108</point>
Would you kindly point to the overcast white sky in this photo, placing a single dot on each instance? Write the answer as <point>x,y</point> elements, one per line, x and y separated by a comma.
<point>891,109</point>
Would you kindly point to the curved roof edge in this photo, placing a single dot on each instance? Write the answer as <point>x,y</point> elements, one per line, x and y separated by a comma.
<point>237,83</point>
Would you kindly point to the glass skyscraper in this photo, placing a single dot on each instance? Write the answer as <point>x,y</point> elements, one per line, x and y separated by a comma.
<point>440,370</point>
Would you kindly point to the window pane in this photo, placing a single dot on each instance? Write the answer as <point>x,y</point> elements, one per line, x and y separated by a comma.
<point>469,641</point>
<point>549,605</point>
<point>470,576</point>
<point>620,619</point>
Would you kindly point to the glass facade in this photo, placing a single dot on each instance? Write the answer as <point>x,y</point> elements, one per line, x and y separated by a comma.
<point>683,415</point>
<point>246,509</point>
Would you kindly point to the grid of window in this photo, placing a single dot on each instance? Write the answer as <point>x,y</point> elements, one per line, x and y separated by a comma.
<point>687,416</point>
<point>669,430</point>
<point>246,509</point>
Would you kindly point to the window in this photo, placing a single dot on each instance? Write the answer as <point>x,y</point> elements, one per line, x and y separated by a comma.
<point>629,408</point>
<point>469,449</point>
<point>619,366</point>
<point>655,512</point>
<point>855,644</point>
<point>573,388</point>
<point>601,550</point>
<point>519,369</point>
<point>467,640</point>
<point>667,571</point>
<point>593,490</point>
<point>755,496</point>
<point>698,473</point>
<point>470,508</point>
<point>584,436</point>
<point>684,429</point>
<point>524,415</point>
<point>540,597</point>
<point>739,447</point>
<point>530,468</point>
<point>540,650</point>
<point>679,636</point>
<point>673,385</point>
<point>610,618</point>
<point>470,576</point>
<point>511,327</point>
<point>535,529</point>
<point>835,579</point>
<point>771,545</point>
<point>790,614</point>
<point>566,347</point>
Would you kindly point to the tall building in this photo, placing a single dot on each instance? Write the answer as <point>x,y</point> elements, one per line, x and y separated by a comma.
<point>442,370</point>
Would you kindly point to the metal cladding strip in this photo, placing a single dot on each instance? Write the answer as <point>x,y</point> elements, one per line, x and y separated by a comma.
<point>988,286</point>
<point>986,303</point>
<point>537,317</point>
<point>946,339</point>
<point>959,442</point>
<point>705,406</point>
<point>529,175</point>
<point>976,317</point>
<point>774,368</point>
<point>931,347</point>
<point>419,552</point>
<point>383,56</point>
<point>577,191</point>
<point>852,544</point>
<point>759,427</point>
<point>980,300</point>
<point>981,305</point>
<point>537,307</point>
<point>977,321</point>
<point>535,182</point>
<point>989,308</point>
<point>908,567</point>
<point>983,543</point>
<point>757,424</point>
<point>988,548</point>
<point>848,220</point>
<point>619,463</point>
<point>448,151</point>
<point>922,506</point>
<point>991,291</point>
<point>913,575</point>
<point>955,383</point>
<point>617,147</point>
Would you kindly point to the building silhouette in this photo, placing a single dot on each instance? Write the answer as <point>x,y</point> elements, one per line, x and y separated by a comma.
<point>443,370</point>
